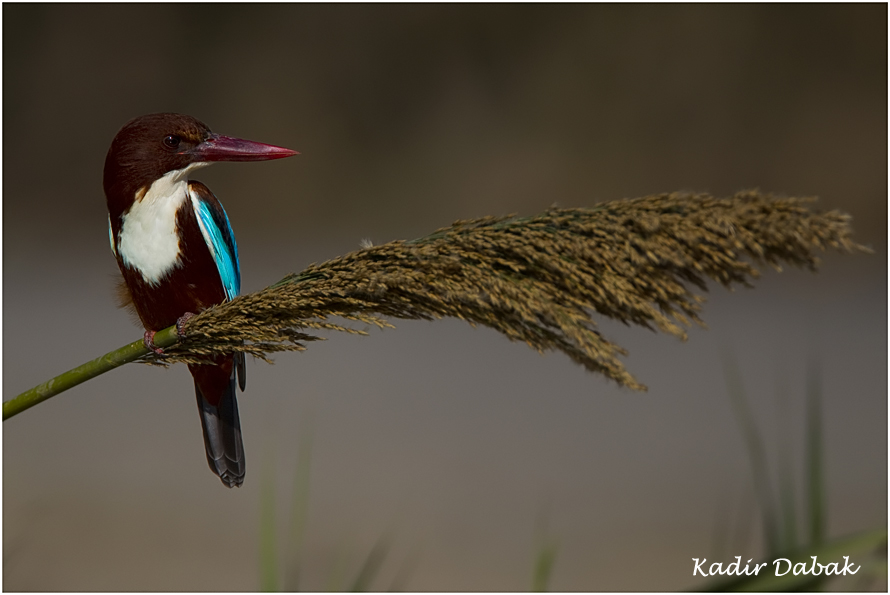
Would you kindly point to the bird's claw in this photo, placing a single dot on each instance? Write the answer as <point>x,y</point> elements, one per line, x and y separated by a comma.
<point>180,322</point>
<point>149,339</point>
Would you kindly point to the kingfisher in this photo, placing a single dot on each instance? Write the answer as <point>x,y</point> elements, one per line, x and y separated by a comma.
<point>177,254</point>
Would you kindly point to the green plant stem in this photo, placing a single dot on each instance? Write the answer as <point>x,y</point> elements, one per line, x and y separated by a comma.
<point>84,372</point>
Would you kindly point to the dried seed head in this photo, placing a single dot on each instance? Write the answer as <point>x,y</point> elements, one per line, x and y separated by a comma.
<point>536,279</point>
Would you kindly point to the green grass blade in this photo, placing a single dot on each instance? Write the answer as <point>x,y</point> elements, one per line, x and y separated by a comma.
<point>544,562</point>
<point>815,461</point>
<point>371,566</point>
<point>756,451</point>
<point>268,547</point>
<point>299,512</point>
<point>787,492</point>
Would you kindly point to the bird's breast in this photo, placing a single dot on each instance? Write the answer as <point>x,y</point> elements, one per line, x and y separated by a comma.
<point>148,240</point>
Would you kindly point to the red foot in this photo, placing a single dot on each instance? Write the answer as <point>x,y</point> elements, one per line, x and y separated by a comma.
<point>149,339</point>
<point>181,321</point>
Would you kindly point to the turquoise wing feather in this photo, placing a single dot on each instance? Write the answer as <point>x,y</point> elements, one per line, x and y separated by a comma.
<point>220,238</point>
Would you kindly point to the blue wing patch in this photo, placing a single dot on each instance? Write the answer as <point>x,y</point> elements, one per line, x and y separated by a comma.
<point>220,239</point>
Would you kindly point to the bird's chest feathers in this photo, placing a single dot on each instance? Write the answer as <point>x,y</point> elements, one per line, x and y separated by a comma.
<point>148,240</point>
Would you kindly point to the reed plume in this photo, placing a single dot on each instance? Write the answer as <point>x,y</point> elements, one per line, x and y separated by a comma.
<point>535,279</point>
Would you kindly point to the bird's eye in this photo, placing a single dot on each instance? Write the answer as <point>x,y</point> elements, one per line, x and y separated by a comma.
<point>172,141</point>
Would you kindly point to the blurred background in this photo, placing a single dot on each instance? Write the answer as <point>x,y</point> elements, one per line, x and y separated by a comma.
<point>466,454</point>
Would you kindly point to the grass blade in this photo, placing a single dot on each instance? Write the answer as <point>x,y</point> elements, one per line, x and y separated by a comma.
<point>756,452</point>
<point>371,566</point>
<point>268,547</point>
<point>299,510</point>
<point>787,492</point>
<point>544,562</point>
<point>815,461</point>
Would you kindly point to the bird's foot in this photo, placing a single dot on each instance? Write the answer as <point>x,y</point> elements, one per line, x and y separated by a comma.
<point>149,339</point>
<point>181,321</point>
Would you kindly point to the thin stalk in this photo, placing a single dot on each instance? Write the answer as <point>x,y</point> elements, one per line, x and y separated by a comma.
<point>87,371</point>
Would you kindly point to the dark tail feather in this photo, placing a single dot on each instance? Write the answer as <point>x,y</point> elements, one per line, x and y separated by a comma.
<point>222,435</point>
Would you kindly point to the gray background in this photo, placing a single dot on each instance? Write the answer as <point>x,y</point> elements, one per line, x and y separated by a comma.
<point>466,451</point>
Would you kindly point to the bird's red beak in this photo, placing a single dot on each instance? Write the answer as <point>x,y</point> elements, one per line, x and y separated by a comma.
<point>226,148</point>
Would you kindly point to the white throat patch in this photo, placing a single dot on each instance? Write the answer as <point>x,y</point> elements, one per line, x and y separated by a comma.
<point>148,240</point>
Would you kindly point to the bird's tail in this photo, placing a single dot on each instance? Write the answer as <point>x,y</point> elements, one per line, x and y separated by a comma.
<point>215,392</point>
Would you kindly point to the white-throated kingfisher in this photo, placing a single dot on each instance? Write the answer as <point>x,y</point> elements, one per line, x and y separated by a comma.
<point>177,252</point>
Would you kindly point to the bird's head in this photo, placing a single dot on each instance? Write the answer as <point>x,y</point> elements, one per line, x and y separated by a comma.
<point>152,146</point>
